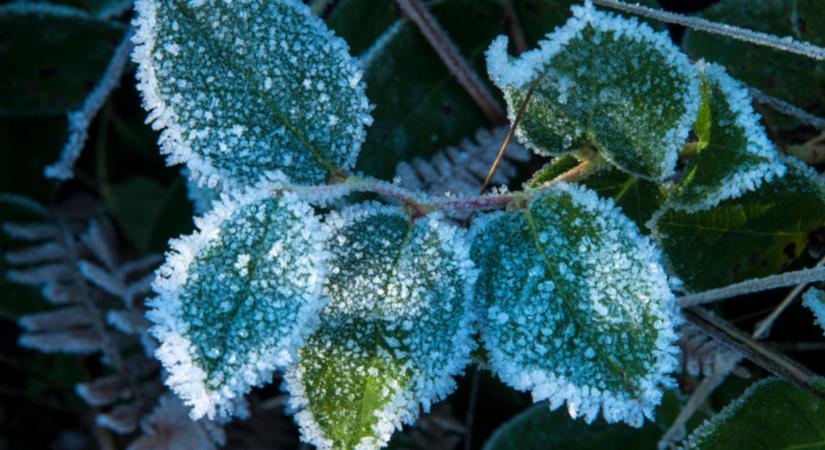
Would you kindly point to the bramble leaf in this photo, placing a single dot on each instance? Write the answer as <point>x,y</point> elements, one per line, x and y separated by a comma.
<point>596,76</point>
<point>396,329</point>
<point>737,156</point>
<point>237,297</point>
<point>43,73</point>
<point>770,414</point>
<point>420,108</point>
<point>757,234</point>
<point>574,305</point>
<point>245,88</point>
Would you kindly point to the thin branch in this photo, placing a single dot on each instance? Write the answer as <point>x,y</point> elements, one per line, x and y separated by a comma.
<point>514,29</point>
<point>80,119</point>
<point>764,326</point>
<point>677,430</point>
<point>509,136</point>
<point>787,43</point>
<point>456,64</point>
<point>760,284</point>
<point>766,357</point>
<point>471,409</point>
<point>787,109</point>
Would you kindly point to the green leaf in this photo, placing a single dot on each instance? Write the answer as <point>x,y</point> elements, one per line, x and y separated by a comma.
<point>794,78</point>
<point>552,170</point>
<point>755,235</point>
<point>362,22</point>
<point>574,305</point>
<point>596,76</point>
<point>148,212</point>
<point>241,89</point>
<point>814,299</point>
<point>237,297</point>
<point>51,56</point>
<point>395,331</point>
<point>771,414</point>
<point>737,157</point>
<point>539,428</point>
<point>637,198</point>
<point>419,106</point>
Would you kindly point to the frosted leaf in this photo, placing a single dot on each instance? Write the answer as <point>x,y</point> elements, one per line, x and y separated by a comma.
<point>395,331</point>
<point>605,80</point>
<point>814,299</point>
<point>236,297</point>
<point>574,305</point>
<point>737,157</point>
<point>235,86</point>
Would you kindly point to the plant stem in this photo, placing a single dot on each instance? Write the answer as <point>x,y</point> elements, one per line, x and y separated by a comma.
<point>509,136</point>
<point>449,54</point>
<point>786,43</point>
<point>787,109</point>
<point>702,392</point>
<point>756,285</point>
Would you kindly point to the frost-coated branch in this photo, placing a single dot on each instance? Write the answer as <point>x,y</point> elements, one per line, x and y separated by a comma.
<point>80,119</point>
<point>677,430</point>
<point>448,52</point>
<point>756,285</point>
<point>787,43</point>
<point>787,109</point>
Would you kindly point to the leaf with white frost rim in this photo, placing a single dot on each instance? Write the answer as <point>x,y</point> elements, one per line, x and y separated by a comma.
<point>237,297</point>
<point>738,156</point>
<point>244,88</point>
<point>605,80</point>
<point>574,305</point>
<point>395,331</point>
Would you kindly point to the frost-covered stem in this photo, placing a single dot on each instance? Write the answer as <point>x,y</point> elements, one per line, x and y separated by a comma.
<point>756,285</point>
<point>677,430</point>
<point>456,64</point>
<point>473,204</point>
<point>763,327</point>
<point>787,109</point>
<point>787,43</point>
<point>80,119</point>
<point>509,136</point>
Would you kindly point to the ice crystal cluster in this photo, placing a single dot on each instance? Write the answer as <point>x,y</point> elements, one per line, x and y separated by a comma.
<point>370,308</point>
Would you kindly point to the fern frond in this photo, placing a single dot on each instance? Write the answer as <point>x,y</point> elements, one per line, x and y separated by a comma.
<point>460,170</point>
